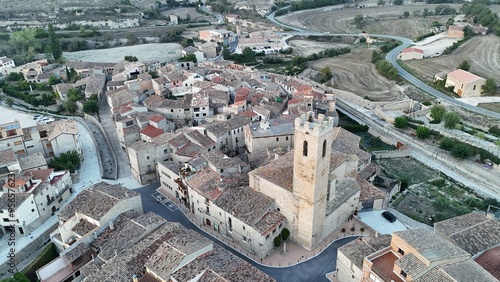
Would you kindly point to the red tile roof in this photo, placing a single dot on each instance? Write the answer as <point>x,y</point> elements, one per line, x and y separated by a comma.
<point>217,79</point>
<point>248,114</point>
<point>490,261</point>
<point>463,76</point>
<point>455,27</point>
<point>151,131</point>
<point>156,119</point>
<point>407,50</point>
<point>41,174</point>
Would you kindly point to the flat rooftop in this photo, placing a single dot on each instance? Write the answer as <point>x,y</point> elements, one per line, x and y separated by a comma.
<point>9,115</point>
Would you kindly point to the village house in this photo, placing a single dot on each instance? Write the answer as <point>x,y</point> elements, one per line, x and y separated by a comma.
<point>150,249</point>
<point>32,71</point>
<point>455,31</point>
<point>6,63</point>
<point>228,135</point>
<point>269,134</point>
<point>232,18</point>
<point>125,70</point>
<point>84,69</point>
<point>46,190</point>
<point>412,54</point>
<point>465,84</point>
<point>190,50</point>
<point>48,139</point>
<point>218,35</point>
<point>81,218</point>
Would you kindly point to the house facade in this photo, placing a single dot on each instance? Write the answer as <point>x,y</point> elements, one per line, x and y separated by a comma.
<point>465,84</point>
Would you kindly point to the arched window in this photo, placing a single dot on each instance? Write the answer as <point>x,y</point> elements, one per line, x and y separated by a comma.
<point>324,148</point>
<point>304,149</point>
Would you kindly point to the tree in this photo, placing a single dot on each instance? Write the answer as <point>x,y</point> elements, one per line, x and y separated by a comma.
<point>461,151</point>
<point>131,39</point>
<point>66,161</point>
<point>397,2</point>
<point>189,58</point>
<point>326,74</point>
<point>15,76</point>
<point>380,3</point>
<point>406,14</point>
<point>489,88</point>
<point>54,80</point>
<point>425,13</point>
<point>248,55</point>
<point>400,122</point>
<point>131,58</point>
<point>91,106</point>
<point>71,75</point>
<point>359,21</point>
<point>226,53</point>
<point>437,112</point>
<point>24,43</point>
<point>423,132</point>
<point>70,106</point>
<point>73,94</point>
<point>54,43</point>
<point>464,65</point>
<point>446,143</point>
<point>417,13</point>
<point>451,119</point>
<point>284,234</point>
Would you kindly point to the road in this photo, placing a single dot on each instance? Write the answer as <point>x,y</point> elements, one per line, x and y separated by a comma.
<point>220,19</point>
<point>314,269</point>
<point>391,57</point>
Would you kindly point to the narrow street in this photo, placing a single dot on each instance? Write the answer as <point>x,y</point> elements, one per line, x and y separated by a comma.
<point>110,130</point>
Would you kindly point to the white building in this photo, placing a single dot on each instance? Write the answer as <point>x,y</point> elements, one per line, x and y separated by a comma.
<point>6,63</point>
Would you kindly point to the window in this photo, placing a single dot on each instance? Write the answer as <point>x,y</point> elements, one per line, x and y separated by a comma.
<point>147,157</point>
<point>286,138</point>
<point>304,149</point>
<point>474,88</point>
<point>129,123</point>
<point>230,224</point>
<point>267,236</point>
<point>17,143</point>
<point>32,210</point>
<point>324,149</point>
<point>245,239</point>
<point>208,210</point>
<point>277,139</point>
<point>401,251</point>
<point>243,227</point>
<point>403,273</point>
<point>274,230</point>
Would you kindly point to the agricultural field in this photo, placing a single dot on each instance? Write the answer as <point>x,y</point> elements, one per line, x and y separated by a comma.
<point>381,20</point>
<point>353,72</point>
<point>495,107</point>
<point>305,48</point>
<point>430,197</point>
<point>482,53</point>
<point>183,13</point>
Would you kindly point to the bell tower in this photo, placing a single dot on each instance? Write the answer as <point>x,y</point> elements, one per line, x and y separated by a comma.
<point>311,167</point>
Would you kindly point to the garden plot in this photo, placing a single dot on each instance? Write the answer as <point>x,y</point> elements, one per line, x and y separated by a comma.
<point>305,48</point>
<point>429,197</point>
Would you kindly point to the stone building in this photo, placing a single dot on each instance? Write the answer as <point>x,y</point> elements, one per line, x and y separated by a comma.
<point>314,187</point>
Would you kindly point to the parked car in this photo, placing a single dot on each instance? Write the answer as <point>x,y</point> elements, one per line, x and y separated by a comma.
<point>37,117</point>
<point>389,216</point>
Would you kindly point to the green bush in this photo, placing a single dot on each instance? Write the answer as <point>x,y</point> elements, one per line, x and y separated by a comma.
<point>461,151</point>
<point>400,122</point>
<point>49,254</point>
<point>426,103</point>
<point>66,161</point>
<point>446,143</point>
<point>277,241</point>
<point>423,132</point>
<point>284,234</point>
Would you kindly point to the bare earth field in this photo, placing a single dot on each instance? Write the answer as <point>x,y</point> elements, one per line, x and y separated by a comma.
<point>353,72</point>
<point>482,53</point>
<point>144,52</point>
<point>381,20</point>
<point>183,12</point>
<point>305,48</point>
<point>51,5</point>
<point>495,107</point>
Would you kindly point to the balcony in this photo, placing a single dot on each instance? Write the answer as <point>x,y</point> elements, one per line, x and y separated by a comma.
<point>63,190</point>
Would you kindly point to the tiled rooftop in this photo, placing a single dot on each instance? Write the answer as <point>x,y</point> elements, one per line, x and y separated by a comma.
<point>358,249</point>
<point>219,160</point>
<point>343,191</point>
<point>276,128</point>
<point>63,127</point>
<point>75,252</point>
<point>105,194</point>
<point>490,261</point>
<point>32,161</point>
<point>196,137</point>
<point>151,131</point>
<point>465,271</point>
<point>269,222</point>
<point>164,260</point>
<point>384,265</point>
<point>245,203</point>
<point>7,157</point>
<point>431,246</point>
<point>225,264</point>
<point>83,227</point>
<point>411,264</point>
<point>20,198</point>
<point>219,128</point>
<point>279,171</point>
<point>463,76</point>
<point>369,191</point>
<point>205,182</point>
<point>473,232</point>
<point>348,143</point>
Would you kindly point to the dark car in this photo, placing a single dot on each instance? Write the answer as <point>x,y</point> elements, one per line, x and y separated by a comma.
<point>389,216</point>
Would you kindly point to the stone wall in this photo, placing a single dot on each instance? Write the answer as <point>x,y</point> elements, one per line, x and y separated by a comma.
<point>391,154</point>
<point>93,120</point>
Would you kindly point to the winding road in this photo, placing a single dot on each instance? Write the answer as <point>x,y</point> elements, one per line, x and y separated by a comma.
<point>391,57</point>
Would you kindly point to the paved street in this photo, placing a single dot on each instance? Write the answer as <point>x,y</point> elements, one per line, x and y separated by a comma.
<point>110,130</point>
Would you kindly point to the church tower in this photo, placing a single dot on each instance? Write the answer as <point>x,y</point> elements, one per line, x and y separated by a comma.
<point>311,167</point>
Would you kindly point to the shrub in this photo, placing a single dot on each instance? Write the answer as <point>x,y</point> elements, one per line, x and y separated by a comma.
<point>451,119</point>
<point>353,229</point>
<point>66,161</point>
<point>400,122</point>
<point>461,151</point>
<point>277,241</point>
<point>426,103</point>
<point>423,132</point>
<point>343,230</point>
<point>446,143</point>
<point>362,229</point>
<point>437,113</point>
<point>284,234</point>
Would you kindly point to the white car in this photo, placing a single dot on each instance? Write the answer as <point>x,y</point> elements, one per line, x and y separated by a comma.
<point>46,120</point>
